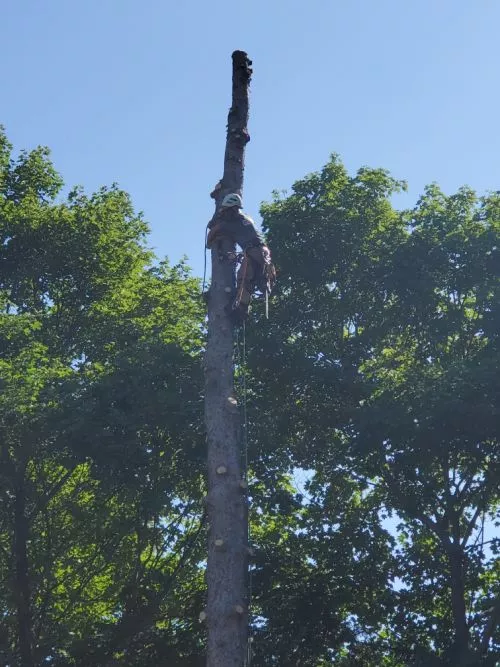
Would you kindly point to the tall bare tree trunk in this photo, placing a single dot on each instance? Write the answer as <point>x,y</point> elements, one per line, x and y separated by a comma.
<point>21,580</point>
<point>227,615</point>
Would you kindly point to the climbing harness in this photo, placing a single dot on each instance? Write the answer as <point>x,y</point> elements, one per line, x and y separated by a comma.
<point>239,293</point>
<point>268,273</point>
<point>230,256</point>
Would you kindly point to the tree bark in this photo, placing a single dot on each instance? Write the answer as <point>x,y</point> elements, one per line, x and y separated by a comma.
<point>491,625</point>
<point>458,606</point>
<point>21,581</point>
<point>226,613</point>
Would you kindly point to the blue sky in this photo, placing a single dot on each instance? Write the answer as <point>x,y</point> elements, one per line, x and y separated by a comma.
<point>138,92</point>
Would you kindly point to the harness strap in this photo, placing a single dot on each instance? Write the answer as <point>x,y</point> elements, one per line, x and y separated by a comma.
<point>239,294</point>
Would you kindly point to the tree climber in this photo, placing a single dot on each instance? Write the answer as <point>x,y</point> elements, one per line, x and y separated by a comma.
<point>256,270</point>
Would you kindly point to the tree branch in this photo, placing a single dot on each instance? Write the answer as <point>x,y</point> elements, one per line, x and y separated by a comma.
<point>490,626</point>
<point>43,502</point>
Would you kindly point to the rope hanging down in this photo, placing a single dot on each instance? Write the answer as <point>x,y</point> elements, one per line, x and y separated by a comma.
<point>205,262</point>
<point>241,360</point>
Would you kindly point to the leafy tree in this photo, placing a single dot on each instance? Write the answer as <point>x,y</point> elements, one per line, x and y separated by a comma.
<point>100,434</point>
<point>429,429</point>
<point>375,382</point>
<point>379,367</point>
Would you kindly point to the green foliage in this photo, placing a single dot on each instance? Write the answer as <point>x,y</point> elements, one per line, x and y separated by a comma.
<point>379,366</point>
<point>100,427</point>
<point>373,418</point>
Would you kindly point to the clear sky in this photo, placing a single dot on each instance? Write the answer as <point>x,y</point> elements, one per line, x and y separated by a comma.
<point>138,91</point>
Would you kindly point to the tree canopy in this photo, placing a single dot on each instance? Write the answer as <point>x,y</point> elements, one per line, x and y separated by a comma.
<point>101,434</point>
<point>373,407</point>
<point>378,372</point>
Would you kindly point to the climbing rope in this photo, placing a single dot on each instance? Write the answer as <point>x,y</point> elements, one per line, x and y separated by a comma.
<point>245,446</point>
<point>245,455</point>
<point>245,415</point>
<point>240,362</point>
<point>205,261</point>
<point>241,354</point>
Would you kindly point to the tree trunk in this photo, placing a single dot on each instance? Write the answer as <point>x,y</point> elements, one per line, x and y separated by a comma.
<point>458,606</point>
<point>21,581</point>
<point>227,616</point>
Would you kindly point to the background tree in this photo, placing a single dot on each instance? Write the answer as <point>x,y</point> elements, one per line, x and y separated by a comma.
<point>373,403</point>
<point>379,366</point>
<point>100,416</point>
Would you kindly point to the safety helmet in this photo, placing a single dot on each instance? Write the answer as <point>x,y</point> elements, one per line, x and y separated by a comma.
<point>232,200</point>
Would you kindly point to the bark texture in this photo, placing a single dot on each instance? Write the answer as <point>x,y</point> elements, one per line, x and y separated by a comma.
<point>458,604</point>
<point>227,616</point>
<point>22,583</point>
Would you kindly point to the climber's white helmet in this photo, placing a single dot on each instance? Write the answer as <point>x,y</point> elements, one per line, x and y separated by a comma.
<point>232,200</point>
